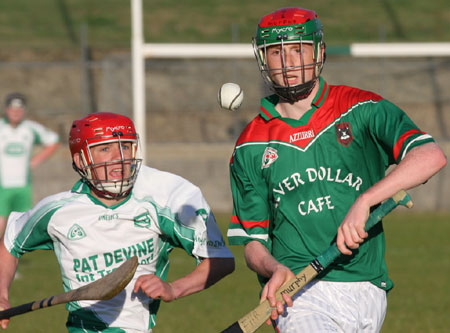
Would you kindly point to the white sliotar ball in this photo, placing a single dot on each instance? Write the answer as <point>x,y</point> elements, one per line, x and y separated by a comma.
<point>230,96</point>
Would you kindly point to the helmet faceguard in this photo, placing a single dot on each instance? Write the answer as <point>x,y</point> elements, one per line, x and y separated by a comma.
<point>290,26</point>
<point>100,129</point>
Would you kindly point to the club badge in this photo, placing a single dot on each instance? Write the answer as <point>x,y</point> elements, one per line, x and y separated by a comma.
<point>143,220</point>
<point>203,214</point>
<point>76,232</point>
<point>344,133</point>
<point>270,155</point>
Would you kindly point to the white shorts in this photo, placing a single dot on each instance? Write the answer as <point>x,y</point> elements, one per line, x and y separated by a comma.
<point>324,306</point>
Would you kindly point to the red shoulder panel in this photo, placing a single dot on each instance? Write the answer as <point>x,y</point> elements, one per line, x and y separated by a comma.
<point>338,101</point>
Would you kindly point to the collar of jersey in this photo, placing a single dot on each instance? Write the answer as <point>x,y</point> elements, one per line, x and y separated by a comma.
<point>82,188</point>
<point>268,103</point>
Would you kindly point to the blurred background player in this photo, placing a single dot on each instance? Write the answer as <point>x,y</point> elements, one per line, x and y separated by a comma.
<point>18,137</point>
<point>117,210</point>
<point>311,165</point>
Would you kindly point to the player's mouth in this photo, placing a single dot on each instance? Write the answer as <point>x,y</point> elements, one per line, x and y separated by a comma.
<point>292,79</point>
<point>116,173</point>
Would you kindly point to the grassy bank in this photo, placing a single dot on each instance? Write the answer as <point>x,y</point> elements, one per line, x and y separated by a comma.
<point>57,24</point>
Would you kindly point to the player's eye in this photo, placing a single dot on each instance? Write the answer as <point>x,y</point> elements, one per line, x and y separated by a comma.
<point>99,149</point>
<point>274,51</point>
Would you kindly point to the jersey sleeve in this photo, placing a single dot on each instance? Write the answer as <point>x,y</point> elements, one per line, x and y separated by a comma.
<point>43,136</point>
<point>189,223</point>
<point>396,133</point>
<point>27,231</point>
<point>250,219</point>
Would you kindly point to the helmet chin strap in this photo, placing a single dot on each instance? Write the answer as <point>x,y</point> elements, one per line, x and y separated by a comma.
<point>295,93</point>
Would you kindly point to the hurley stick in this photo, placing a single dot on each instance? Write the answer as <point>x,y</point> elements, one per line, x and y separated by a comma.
<point>105,288</point>
<point>255,318</point>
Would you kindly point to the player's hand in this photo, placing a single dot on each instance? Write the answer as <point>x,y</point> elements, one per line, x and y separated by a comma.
<point>154,287</point>
<point>351,232</point>
<point>4,304</point>
<point>281,275</point>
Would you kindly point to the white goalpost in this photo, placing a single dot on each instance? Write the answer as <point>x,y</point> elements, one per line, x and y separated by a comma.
<point>141,51</point>
<point>138,73</point>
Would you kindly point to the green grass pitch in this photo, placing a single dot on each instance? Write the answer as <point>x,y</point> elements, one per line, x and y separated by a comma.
<point>418,255</point>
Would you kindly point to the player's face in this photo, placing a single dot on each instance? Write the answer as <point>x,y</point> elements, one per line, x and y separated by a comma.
<point>108,160</point>
<point>287,66</point>
<point>15,115</point>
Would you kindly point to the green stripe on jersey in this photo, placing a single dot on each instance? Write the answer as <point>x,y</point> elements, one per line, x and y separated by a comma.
<point>34,235</point>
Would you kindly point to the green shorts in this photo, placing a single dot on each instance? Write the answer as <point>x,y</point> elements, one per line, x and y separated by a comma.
<point>18,199</point>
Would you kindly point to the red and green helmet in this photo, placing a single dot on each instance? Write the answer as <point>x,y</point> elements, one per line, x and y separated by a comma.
<point>288,26</point>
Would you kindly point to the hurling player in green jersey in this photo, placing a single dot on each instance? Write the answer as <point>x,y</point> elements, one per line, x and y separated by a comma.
<point>311,166</point>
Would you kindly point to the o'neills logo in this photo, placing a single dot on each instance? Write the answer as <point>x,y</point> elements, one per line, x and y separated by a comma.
<point>270,155</point>
<point>301,136</point>
<point>344,133</point>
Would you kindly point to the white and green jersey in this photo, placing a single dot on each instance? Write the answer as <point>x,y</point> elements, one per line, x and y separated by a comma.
<point>16,148</point>
<point>90,240</point>
<point>293,181</point>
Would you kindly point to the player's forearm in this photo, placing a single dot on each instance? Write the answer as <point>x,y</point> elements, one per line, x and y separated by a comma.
<point>419,165</point>
<point>208,272</point>
<point>8,268</point>
<point>43,155</point>
<point>260,260</point>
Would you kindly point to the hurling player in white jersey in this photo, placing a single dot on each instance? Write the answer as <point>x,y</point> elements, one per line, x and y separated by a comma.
<point>18,137</point>
<point>117,210</point>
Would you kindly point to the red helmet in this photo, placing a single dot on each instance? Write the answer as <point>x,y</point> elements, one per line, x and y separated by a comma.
<point>102,128</point>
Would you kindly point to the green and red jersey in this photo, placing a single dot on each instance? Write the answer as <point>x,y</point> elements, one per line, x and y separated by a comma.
<point>293,181</point>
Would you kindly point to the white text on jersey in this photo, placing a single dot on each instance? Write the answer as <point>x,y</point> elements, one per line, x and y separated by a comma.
<point>301,136</point>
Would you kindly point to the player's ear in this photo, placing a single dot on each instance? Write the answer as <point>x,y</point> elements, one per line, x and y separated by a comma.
<point>77,160</point>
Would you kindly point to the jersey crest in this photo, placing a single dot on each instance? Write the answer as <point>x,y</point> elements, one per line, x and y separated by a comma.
<point>143,220</point>
<point>76,232</point>
<point>270,155</point>
<point>203,214</point>
<point>344,133</point>
<point>15,148</point>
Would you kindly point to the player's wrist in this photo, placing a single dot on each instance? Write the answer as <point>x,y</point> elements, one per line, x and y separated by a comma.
<point>173,291</point>
<point>280,268</point>
<point>364,199</point>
